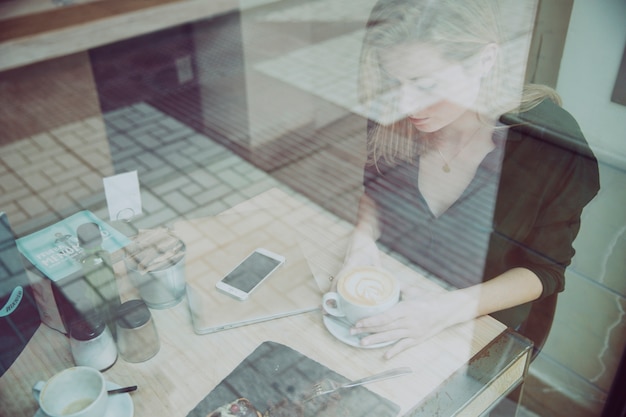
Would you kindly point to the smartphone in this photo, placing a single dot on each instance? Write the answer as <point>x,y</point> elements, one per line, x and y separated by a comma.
<point>250,273</point>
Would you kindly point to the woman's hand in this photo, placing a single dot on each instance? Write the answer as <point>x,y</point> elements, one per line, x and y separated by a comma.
<point>419,316</point>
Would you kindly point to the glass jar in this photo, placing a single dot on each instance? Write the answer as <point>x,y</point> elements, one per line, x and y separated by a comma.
<point>137,337</point>
<point>92,344</point>
<point>98,273</point>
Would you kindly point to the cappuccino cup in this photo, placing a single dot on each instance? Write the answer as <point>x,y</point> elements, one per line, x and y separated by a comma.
<point>77,392</point>
<point>362,292</point>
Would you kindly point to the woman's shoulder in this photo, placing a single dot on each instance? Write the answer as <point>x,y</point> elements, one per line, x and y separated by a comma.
<point>548,121</point>
<point>549,115</point>
<point>548,143</point>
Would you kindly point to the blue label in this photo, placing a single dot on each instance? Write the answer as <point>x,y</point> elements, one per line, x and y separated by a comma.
<point>13,302</point>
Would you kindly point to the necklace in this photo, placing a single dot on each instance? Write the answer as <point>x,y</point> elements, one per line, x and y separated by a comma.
<point>446,164</point>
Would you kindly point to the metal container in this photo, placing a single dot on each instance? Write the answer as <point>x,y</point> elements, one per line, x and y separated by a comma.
<point>163,287</point>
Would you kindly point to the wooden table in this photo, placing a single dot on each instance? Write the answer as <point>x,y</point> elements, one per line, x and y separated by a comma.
<point>463,370</point>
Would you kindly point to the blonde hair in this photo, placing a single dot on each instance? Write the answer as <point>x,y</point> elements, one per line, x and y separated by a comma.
<point>459,30</point>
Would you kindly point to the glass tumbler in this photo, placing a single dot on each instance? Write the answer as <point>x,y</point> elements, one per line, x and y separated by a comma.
<point>137,337</point>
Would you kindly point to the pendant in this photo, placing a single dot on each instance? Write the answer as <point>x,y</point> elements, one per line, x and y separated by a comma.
<point>445,168</point>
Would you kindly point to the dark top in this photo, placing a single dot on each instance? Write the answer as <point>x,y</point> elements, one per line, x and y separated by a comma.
<point>522,208</point>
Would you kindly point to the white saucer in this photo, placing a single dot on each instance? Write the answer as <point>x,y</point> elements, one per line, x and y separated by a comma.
<point>118,405</point>
<point>342,332</point>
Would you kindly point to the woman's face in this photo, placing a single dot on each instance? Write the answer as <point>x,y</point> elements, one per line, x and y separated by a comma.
<point>431,91</point>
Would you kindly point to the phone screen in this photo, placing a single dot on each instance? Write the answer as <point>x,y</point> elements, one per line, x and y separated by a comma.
<point>251,271</point>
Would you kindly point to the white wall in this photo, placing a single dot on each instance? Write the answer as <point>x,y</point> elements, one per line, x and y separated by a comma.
<point>591,59</point>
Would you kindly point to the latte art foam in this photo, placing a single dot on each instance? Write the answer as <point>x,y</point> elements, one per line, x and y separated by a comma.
<point>365,288</point>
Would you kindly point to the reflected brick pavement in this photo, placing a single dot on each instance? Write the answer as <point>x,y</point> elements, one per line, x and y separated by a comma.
<point>182,174</point>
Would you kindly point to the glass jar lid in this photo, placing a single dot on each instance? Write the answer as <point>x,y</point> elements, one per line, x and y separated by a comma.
<point>132,314</point>
<point>86,329</point>
<point>89,235</point>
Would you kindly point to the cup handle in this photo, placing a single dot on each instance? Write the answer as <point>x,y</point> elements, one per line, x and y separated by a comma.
<point>37,389</point>
<point>332,308</point>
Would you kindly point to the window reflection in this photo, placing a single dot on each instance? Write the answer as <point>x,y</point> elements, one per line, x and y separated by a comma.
<point>218,109</point>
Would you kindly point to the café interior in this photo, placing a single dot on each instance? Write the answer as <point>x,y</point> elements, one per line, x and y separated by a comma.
<point>234,124</point>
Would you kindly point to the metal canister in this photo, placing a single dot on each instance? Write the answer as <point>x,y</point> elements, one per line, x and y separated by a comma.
<point>156,267</point>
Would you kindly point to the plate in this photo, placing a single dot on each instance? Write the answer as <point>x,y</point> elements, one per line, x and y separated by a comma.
<point>119,405</point>
<point>342,332</point>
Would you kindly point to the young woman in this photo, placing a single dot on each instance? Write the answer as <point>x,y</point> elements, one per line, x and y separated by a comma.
<point>492,208</point>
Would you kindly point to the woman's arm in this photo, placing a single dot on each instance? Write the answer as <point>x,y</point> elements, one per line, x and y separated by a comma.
<point>420,315</point>
<point>514,287</point>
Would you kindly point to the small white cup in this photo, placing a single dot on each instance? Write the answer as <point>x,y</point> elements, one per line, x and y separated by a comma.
<point>362,292</point>
<point>77,392</point>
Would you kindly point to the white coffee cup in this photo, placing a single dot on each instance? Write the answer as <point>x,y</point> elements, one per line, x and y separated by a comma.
<point>362,292</point>
<point>77,392</point>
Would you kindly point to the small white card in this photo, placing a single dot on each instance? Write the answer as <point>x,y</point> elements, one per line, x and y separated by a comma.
<point>123,196</point>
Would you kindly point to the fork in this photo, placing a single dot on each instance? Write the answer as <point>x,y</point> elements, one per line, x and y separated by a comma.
<point>326,386</point>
